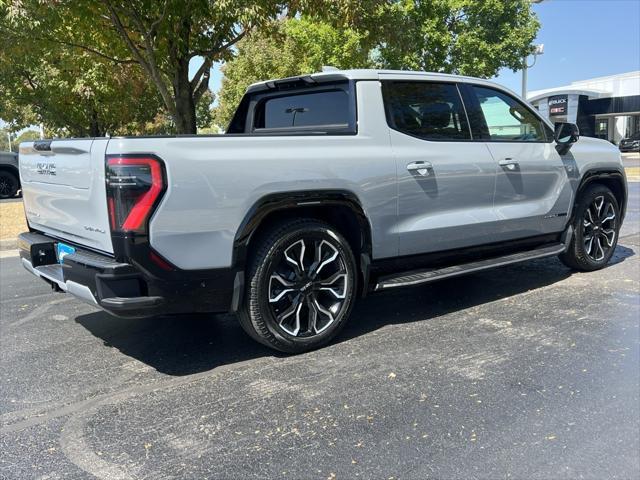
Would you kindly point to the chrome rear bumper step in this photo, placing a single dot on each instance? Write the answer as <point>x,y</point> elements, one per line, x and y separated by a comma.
<point>417,277</point>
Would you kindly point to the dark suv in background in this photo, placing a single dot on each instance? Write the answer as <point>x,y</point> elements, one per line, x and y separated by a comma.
<point>631,144</point>
<point>9,178</point>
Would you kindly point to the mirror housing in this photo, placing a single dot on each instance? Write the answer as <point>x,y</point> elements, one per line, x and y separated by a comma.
<point>565,135</point>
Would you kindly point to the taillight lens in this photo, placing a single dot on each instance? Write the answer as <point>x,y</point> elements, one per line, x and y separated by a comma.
<point>134,186</point>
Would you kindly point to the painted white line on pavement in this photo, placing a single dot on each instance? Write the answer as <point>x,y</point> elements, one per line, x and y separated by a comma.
<point>8,253</point>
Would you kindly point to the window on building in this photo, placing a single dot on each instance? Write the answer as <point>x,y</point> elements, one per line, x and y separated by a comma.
<point>427,110</point>
<point>507,119</point>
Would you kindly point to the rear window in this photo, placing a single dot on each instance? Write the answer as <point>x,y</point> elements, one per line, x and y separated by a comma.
<point>325,110</point>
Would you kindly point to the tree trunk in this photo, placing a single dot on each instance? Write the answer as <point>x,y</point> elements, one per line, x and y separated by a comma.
<point>185,117</point>
<point>94,125</point>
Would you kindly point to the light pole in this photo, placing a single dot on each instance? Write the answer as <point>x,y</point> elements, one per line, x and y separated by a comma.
<point>537,50</point>
<point>9,137</point>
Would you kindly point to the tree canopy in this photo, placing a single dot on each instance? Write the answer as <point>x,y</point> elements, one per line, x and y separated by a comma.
<point>295,46</point>
<point>101,57</point>
<point>73,93</point>
<point>468,37</point>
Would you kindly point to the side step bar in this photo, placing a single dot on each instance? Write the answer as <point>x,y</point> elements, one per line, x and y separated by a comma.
<point>417,277</point>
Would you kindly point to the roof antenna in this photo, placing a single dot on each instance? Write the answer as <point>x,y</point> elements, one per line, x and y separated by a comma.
<point>329,68</point>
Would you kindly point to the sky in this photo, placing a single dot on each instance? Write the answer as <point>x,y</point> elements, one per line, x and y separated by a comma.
<point>582,39</point>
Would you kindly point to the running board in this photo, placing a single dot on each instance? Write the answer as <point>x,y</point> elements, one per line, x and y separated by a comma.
<point>417,277</point>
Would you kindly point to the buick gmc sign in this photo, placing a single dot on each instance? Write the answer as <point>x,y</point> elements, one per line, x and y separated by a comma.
<point>558,105</point>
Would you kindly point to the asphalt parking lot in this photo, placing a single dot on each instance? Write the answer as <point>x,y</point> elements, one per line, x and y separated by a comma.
<point>527,371</point>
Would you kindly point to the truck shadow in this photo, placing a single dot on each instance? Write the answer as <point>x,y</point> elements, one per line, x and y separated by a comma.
<point>188,344</point>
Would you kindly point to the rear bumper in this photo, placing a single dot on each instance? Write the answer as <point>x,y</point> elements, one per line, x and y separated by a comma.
<point>124,289</point>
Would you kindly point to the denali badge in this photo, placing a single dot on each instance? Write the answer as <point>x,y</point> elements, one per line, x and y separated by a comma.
<point>46,168</point>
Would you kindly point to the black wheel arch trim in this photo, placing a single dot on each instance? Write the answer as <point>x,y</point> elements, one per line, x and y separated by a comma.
<point>285,201</point>
<point>595,174</point>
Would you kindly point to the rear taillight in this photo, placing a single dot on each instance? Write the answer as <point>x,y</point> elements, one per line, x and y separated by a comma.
<point>134,187</point>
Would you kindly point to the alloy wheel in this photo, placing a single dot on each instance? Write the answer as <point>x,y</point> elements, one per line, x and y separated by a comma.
<point>308,287</point>
<point>6,186</point>
<point>599,228</point>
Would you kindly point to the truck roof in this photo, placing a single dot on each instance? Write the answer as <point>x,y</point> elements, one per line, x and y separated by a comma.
<point>359,74</point>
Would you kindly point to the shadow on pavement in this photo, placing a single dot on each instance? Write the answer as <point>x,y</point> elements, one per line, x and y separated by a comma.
<point>188,344</point>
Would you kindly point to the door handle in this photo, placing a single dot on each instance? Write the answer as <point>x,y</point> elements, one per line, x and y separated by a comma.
<point>421,168</point>
<point>509,163</point>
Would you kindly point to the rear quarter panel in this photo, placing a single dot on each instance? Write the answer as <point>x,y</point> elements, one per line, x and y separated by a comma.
<point>214,182</point>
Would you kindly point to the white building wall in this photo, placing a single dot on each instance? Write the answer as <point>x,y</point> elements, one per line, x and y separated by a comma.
<point>621,85</point>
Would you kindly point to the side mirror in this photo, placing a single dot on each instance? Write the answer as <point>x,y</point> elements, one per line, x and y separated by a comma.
<point>566,134</point>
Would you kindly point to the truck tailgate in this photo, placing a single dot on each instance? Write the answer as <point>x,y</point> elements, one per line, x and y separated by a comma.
<point>63,188</point>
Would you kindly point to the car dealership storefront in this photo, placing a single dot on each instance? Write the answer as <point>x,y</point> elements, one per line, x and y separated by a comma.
<point>605,107</point>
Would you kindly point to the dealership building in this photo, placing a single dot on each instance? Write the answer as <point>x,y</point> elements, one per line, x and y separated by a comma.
<point>604,107</point>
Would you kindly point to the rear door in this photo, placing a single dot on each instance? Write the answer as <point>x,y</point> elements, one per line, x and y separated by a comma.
<point>64,190</point>
<point>533,192</point>
<point>446,181</point>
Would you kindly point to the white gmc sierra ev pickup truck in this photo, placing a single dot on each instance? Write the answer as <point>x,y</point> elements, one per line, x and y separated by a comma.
<point>325,187</point>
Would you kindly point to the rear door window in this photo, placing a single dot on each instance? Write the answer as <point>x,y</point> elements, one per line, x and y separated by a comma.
<point>427,110</point>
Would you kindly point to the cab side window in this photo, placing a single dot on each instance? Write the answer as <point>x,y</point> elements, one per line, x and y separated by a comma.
<point>427,110</point>
<point>507,119</point>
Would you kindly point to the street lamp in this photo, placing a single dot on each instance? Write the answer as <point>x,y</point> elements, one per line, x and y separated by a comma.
<point>537,50</point>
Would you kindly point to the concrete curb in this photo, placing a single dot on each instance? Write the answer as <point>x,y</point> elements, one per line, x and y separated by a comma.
<point>9,244</point>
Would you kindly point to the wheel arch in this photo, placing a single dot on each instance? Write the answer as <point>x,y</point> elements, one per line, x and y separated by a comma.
<point>11,169</point>
<point>340,208</point>
<point>612,179</point>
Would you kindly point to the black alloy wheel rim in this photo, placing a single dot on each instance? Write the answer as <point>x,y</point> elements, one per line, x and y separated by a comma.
<point>308,287</point>
<point>599,228</point>
<point>6,185</point>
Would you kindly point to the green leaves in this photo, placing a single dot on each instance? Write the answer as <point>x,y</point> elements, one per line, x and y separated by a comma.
<point>291,47</point>
<point>469,37</point>
<point>87,66</point>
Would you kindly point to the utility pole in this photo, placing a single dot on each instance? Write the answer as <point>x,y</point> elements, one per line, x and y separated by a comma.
<point>537,50</point>
<point>9,137</point>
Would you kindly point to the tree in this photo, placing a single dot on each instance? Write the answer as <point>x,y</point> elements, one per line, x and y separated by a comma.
<point>74,95</point>
<point>161,37</point>
<point>27,136</point>
<point>72,92</point>
<point>4,140</point>
<point>469,37</point>
<point>294,46</point>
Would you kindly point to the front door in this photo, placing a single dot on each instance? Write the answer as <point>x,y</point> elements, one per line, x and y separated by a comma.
<point>446,180</point>
<point>533,192</point>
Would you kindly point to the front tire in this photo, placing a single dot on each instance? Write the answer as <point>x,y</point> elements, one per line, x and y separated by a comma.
<point>301,286</point>
<point>596,224</point>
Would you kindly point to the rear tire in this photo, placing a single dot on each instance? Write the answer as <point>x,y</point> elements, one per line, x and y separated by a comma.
<point>301,286</point>
<point>596,224</point>
<point>9,185</point>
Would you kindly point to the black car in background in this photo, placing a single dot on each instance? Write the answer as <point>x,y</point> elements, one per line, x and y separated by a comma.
<point>9,178</point>
<point>631,144</point>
